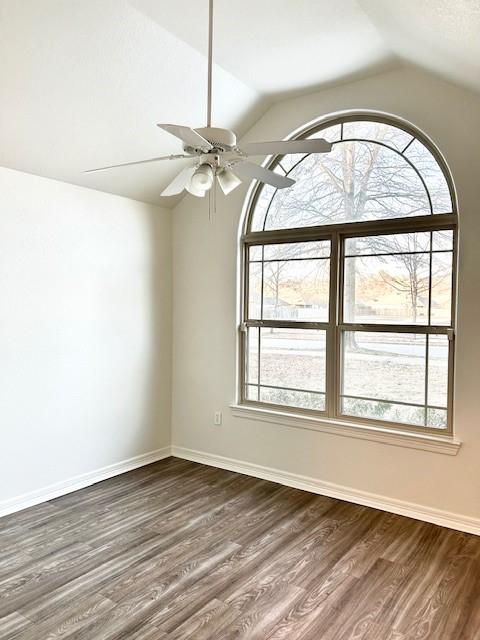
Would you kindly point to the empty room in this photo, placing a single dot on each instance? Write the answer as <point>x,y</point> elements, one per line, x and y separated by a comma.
<point>239,320</point>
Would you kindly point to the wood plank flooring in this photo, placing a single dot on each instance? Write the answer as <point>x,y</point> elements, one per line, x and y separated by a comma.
<point>178,550</point>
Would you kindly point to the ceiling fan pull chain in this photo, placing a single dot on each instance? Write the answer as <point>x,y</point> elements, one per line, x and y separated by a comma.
<point>215,198</point>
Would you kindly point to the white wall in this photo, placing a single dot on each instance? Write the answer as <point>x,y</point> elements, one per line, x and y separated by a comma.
<point>204,315</point>
<point>85,322</point>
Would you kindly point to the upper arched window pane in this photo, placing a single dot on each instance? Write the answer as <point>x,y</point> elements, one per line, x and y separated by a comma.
<point>375,171</point>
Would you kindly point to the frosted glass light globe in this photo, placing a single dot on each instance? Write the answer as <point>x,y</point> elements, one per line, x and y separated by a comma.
<point>202,179</point>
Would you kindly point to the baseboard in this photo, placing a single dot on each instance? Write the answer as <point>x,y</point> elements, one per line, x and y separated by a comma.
<point>400,507</point>
<point>79,482</point>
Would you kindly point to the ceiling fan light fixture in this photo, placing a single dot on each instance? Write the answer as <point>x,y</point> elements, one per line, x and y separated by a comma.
<point>201,180</point>
<point>227,180</point>
<point>203,177</point>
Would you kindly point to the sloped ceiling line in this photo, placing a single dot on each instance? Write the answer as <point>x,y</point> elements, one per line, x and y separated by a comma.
<point>83,82</point>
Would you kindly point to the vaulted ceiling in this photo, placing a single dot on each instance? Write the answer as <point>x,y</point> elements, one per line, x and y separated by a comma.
<point>83,82</point>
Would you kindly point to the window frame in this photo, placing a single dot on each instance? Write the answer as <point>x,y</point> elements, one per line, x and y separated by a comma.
<point>336,233</point>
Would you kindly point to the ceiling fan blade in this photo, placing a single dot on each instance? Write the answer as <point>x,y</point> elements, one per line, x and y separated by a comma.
<point>247,170</point>
<point>130,164</point>
<point>187,135</point>
<point>228,180</point>
<point>281,147</point>
<point>179,183</point>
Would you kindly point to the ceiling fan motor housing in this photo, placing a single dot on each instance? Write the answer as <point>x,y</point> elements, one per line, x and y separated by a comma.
<point>220,139</point>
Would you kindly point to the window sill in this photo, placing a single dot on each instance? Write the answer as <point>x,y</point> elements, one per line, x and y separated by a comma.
<point>439,444</point>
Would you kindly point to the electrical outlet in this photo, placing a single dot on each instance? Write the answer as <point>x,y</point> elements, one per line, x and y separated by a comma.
<point>217,418</point>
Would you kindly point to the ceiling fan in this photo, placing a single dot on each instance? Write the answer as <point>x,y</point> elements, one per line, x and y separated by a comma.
<point>216,154</point>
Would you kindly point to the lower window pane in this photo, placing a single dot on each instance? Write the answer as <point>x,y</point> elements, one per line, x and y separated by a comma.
<point>384,366</point>
<point>292,367</point>
<point>291,398</point>
<point>437,418</point>
<point>293,358</point>
<point>252,355</point>
<point>251,392</point>
<point>384,377</point>
<point>438,370</point>
<point>387,411</point>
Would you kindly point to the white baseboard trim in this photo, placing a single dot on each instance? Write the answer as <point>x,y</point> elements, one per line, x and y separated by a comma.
<point>400,507</point>
<point>81,481</point>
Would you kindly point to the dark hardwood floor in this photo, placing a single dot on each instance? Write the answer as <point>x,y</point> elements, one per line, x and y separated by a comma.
<point>179,550</point>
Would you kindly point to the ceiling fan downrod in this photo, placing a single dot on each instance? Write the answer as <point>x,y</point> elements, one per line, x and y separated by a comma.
<point>210,63</point>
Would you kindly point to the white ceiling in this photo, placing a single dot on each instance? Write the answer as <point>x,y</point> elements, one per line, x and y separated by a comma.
<point>83,82</point>
<point>442,36</point>
<point>277,46</point>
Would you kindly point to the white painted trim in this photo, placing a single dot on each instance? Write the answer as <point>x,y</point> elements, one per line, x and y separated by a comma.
<point>400,507</point>
<point>427,442</point>
<point>81,481</point>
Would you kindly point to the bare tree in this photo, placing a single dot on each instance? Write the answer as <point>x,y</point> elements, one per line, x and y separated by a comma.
<point>413,278</point>
<point>359,180</point>
<point>407,256</point>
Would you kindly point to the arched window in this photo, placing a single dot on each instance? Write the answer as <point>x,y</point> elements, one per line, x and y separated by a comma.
<point>349,280</point>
